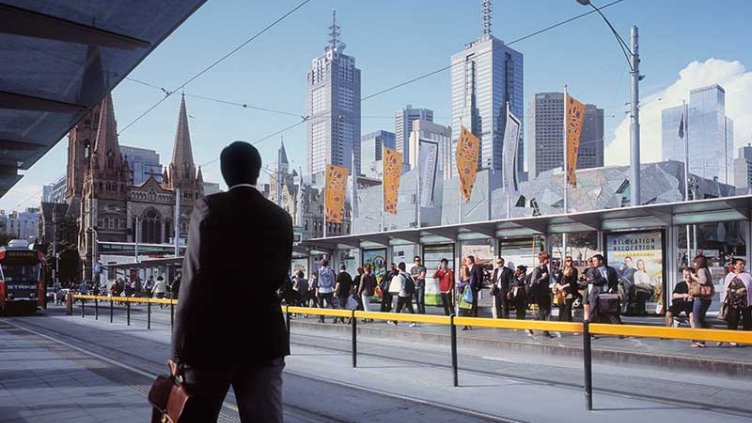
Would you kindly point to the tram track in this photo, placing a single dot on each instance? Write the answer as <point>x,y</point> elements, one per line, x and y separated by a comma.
<point>145,370</point>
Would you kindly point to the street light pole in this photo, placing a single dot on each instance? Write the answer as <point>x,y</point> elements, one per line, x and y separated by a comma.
<point>633,59</point>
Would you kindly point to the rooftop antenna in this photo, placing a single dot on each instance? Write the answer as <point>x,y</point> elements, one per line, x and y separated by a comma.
<point>334,31</point>
<point>486,18</point>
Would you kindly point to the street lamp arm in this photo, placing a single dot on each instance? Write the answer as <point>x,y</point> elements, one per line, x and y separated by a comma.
<point>624,47</point>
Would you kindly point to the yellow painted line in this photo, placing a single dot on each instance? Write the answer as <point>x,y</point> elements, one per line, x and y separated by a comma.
<point>141,300</point>
<point>403,317</point>
<point>717,335</point>
<point>320,311</point>
<point>518,324</point>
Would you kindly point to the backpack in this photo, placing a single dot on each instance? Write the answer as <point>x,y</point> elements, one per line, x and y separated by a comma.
<point>409,284</point>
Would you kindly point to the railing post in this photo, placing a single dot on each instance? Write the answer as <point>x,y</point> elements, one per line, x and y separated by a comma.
<point>148,315</point>
<point>453,330</point>
<point>354,322</point>
<point>287,320</point>
<point>172,314</point>
<point>128,312</point>
<point>83,308</point>
<point>586,354</point>
<point>112,308</point>
<point>96,308</point>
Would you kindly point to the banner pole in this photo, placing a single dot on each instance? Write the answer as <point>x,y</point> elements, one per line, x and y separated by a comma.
<point>566,162</point>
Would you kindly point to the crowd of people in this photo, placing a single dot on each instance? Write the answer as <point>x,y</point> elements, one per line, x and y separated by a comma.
<point>596,288</point>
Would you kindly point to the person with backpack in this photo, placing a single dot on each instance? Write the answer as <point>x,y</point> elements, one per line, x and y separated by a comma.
<point>325,289</point>
<point>406,291</point>
<point>300,286</point>
<point>386,296</point>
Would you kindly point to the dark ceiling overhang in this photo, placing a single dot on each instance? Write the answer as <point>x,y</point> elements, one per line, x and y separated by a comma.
<point>59,58</point>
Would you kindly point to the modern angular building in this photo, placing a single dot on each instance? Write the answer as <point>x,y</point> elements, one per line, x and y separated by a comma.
<point>333,108</point>
<point>546,134</point>
<point>743,169</point>
<point>486,76</point>
<point>143,163</point>
<point>710,133</point>
<point>371,150</point>
<point>403,126</point>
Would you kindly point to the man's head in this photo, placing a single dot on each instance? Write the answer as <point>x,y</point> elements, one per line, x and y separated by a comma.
<point>596,260</point>
<point>469,260</point>
<point>342,268</point>
<point>500,262</point>
<point>686,272</point>
<point>240,163</point>
<point>401,266</point>
<point>543,258</point>
<point>521,269</point>
<point>394,266</point>
<point>417,260</point>
<point>627,261</point>
<point>324,262</point>
<point>444,263</point>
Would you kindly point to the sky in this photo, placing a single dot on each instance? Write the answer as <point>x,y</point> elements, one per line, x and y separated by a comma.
<point>684,44</point>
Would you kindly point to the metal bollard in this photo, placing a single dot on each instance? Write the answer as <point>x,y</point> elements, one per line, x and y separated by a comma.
<point>96,308</point>
<point>172,315</point>
<point>148,315</point>
<point>354,322</point>
<point>586,354</point>
<point>128,312</point>
<point>287,320</point>
<point>83,310</point>
<point>453,329</point>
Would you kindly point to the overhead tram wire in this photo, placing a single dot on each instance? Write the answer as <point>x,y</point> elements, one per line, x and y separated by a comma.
<point>218,61</point>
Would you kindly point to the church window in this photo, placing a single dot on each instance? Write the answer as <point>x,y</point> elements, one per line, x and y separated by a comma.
<point>305,225</point>
<point>151,227</point>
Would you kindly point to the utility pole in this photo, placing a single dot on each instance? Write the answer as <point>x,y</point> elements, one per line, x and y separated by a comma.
<point>177,222</point>
<point>634,130</point>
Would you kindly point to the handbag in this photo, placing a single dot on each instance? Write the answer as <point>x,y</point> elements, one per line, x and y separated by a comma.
<point>608,303</point>
<point>168,396</point>
<point>467,295</point>
<point>395,285</point>
<point>723,312</point>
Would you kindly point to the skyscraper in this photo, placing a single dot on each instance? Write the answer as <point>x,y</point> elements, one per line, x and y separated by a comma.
<point>424,130</point>
<point>710,134</point>
<point>403,125</point>
<point>743,168</point>
<point>142,163</point>
<point>485,76</point>
<point>371,149</point>
<point>333,107</point>
<point>546,134</point>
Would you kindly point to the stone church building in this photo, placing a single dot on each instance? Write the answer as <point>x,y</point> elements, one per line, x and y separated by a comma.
<point>107,206</point>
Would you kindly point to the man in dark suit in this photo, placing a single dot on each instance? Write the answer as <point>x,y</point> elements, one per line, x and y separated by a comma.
<point>229,328</point>
<point>475,282</point>
<point>540,292</point>
<point>502,276</point>
<point>603,279</point>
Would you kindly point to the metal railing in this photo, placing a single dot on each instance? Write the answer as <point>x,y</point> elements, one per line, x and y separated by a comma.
<point>586,329</point>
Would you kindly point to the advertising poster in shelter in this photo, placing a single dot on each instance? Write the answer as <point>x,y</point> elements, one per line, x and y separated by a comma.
<point>432,255</point>
<point>639,259</point>
<point>377,259</point>
<point>300,264</point>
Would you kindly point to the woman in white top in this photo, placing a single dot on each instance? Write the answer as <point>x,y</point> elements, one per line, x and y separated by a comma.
<point>641,277</point>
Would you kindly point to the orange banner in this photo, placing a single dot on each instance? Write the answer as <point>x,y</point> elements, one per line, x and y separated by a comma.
<point>575,121</point>
<point>336,182</point>
<point>468,148</point>
<point>392,173</point>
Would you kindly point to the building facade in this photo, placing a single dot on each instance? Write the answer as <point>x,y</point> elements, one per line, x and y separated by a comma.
<point>372,149</point>
<point>333,107</point>
<point>21,224</point>
<point>427,131</point>
<point>142,163</point>
<point>484,78</point>
<point>55,192</point>
<point>403,127</point>
<point>546,134</point>
<point>709,131</point>
<point>103,202</point>
<point>743,169</point>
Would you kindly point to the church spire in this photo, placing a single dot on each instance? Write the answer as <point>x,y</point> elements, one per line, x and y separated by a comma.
<point>182,166</point>
<point>106,155</point>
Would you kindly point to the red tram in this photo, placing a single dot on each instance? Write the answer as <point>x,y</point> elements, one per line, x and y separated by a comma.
<point>22,285</point>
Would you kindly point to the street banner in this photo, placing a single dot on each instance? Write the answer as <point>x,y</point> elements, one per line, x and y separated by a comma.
<point>468,148</point>
<point>392,173</point>
<point>509,152</point>
<point>336,182</point>
<point>428,158</point>
<point>575,121</point>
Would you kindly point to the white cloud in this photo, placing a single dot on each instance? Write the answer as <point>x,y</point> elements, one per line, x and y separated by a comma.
<point>732,76</point>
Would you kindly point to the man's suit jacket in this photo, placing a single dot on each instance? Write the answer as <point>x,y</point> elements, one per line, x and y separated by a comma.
<point>506,278</point>
<point>476,278</point>
<point>601,284</point>
<point>238,256</point>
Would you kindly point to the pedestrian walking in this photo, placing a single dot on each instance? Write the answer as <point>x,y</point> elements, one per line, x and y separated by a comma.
<point>540,293</point>
<point>367,287</point>
<point>160,288</point>
<point>229,327</point>
<point>325,287</point>
<point>406,290</point>
<point>175,287</point>
<point>342,290</point>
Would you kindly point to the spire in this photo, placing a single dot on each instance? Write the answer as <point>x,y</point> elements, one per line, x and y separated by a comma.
<point>182,166</point>
<point>106,155</point>
<point>486,18</point>
<point>334,31</point>
<point>199,176</point>
<point>283,154</point>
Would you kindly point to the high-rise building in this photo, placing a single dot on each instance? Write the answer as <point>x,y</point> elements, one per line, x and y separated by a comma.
<point>743,168</point>
<point>371,150</point>
<point>55,192</point>
<point>485,77</point>
<point>142,163</point>
<point>403,126</point>
<point>546,134</point>
<point>710,133</point>
<point>333,107</point>
<point>424,130</point>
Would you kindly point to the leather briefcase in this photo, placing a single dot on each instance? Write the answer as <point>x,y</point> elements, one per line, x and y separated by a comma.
<point>608,303</point>
<point>168,397</point>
